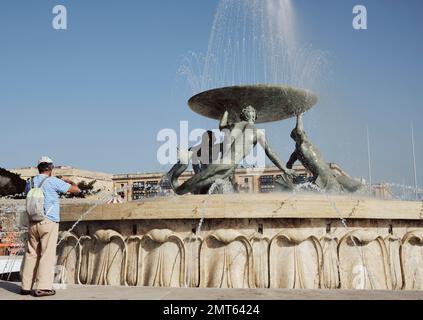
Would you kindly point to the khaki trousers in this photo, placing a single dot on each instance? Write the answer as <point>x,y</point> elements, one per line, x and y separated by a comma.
<point>40,257</point>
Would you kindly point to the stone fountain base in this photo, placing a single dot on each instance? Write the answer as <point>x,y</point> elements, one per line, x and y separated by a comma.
<point>247,241</point>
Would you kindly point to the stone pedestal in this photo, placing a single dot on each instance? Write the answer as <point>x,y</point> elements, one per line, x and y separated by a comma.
<point>247,241</point>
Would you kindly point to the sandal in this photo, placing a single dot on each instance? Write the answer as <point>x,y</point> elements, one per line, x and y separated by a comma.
<point>44,293</point>
<point>25,292</point>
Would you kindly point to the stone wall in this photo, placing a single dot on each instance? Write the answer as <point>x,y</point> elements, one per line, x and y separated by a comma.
<point>12,234</point>
<point>270,241</point>
<point>103,182</point>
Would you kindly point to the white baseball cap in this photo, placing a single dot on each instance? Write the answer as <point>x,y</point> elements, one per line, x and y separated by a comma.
<point>45,159</point>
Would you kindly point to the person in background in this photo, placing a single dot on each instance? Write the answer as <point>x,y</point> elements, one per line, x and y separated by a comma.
<point>40,256</point>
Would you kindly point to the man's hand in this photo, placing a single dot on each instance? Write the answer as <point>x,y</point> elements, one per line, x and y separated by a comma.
<point>74,189</point>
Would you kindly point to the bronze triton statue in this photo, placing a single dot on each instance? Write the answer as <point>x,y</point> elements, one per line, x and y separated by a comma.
<point>201,156</point>
<point>240,139</point>
<point>233,107</point>
<point>311,158</point>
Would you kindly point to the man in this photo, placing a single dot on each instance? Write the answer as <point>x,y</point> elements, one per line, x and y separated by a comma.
<point>240,138</point>
<point>40,257</point>
<point>312,160</point>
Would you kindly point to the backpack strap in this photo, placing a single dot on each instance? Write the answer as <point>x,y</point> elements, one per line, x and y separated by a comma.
<point>31,183</point>
<point>42,182</point>
<point>41,185</point>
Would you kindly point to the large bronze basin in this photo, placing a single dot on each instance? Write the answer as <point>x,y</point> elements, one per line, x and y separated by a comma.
<point>272,102</point>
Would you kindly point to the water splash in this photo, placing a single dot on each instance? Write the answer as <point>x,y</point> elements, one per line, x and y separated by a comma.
<point>405,193</point>
<point>251,42</point>
<point>84,214</point>
<point>308,186</point>
<point>220,186</point>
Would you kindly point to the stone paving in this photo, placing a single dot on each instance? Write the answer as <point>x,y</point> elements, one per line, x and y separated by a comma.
<point>9,291</point>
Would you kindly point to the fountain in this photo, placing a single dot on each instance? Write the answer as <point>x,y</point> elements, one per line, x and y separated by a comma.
<point>287,240</point>
<point>291,240</point>
<point>254,42</point>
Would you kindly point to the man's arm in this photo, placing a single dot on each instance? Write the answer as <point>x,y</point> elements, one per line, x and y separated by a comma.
<point>272,154</point>
<point>73,188</point>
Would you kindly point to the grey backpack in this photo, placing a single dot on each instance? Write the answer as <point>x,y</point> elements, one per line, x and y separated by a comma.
<point>35,202</point>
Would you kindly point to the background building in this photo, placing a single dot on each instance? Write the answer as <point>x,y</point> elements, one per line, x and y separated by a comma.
<point>103,181</point>
<point>247,180</point>
<point>138,186</point>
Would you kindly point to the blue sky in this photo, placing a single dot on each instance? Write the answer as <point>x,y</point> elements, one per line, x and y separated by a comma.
<point>96,95</point>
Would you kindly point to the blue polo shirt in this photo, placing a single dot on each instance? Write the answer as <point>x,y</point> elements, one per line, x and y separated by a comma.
<point>52,188</point>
